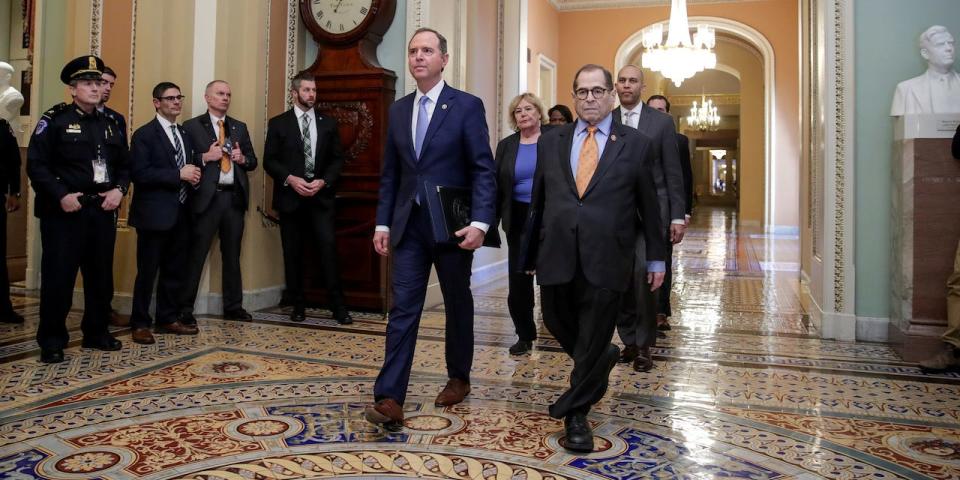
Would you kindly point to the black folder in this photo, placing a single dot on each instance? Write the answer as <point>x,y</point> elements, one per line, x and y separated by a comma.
<point>449,209</point>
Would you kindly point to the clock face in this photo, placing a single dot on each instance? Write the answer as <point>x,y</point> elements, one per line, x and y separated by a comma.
<point>340,17</point>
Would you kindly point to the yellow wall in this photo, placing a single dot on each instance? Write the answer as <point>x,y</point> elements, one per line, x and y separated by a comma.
<point>777,20</point>
<point>543,37</point>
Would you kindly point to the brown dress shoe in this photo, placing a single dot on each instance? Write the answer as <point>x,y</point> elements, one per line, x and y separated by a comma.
<point>177,328</point>
<point>386,412</point>
<point>142,336</point>
<point>644,361</point>
<point>629,353</point>
<point>453,393</point>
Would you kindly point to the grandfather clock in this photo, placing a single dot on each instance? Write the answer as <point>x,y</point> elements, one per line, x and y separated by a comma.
<point>354,89</point>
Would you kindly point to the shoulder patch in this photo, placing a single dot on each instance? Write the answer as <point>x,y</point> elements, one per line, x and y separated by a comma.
<point>41,126</point>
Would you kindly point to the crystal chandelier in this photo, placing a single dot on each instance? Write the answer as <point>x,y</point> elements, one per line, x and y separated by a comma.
<point>678,59</point>
<point>703,117</point>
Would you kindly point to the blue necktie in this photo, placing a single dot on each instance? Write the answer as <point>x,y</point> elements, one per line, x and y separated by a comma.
<point>423,121</point>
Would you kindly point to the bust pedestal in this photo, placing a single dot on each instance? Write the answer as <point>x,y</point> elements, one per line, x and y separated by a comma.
<point>925,209</point>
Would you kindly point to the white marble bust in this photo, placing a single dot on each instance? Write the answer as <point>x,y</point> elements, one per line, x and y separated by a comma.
<point>10,99</point>
<point>937,90</point>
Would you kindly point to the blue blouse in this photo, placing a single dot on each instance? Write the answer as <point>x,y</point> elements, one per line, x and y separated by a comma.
<point>523,172</point>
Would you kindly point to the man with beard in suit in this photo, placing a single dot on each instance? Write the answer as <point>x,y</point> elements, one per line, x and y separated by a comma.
<point>592,185</point>
<point>304,157</point>
<point>220,200</point>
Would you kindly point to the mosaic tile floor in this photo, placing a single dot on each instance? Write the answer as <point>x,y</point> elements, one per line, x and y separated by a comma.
<point>743,388</point>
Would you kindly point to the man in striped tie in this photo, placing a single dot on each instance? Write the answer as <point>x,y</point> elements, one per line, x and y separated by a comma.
<point>592,185</point>
<point>163,170</point>
<point>304,157</point>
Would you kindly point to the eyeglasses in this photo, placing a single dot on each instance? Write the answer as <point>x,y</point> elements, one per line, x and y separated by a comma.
<point>598,92</point>
<point>172,98</point>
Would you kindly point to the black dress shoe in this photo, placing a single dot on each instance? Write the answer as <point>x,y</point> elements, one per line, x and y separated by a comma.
<point>12,317</point>
<point>629,353</point>
<point>298,315</point>
<point>343,317</point>
<point>579,436</point>
<point>239,314</point>
<point>105,343</point>
<point>51,355</point>
<point>187,318</point>
<point>521,347</point>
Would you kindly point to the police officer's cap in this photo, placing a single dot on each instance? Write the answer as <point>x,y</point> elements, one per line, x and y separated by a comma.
<point>87,67</point>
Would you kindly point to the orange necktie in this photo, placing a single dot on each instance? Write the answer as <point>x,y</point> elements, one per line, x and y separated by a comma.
<point>224,159</point>
<point>589,154</point>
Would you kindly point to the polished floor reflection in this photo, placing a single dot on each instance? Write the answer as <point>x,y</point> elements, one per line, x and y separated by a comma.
<point>742,388</point>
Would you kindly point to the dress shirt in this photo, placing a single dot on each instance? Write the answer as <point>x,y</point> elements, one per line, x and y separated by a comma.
<point>433,95</point>
<point>631,118</point>
<point>601,135</point>
<point>166,129</point>
<point>225,178</point>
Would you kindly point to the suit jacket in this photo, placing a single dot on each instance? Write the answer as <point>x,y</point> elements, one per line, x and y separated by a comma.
<point>203,133</point>
<point>683,145</point>
<point>665,165</point>
<point>505,162</point>
<point>598,231</point>
<point>455,152</point>
<point>283,156</point>
<point>10,153</point>
<point>118,119</point>
<point>156,177</point>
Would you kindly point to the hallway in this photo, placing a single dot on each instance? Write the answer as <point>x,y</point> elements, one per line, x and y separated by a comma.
<point>743,387</point>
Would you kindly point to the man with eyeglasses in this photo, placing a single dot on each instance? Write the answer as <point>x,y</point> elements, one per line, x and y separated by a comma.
<point>77,162</point>
<point>591,186</point>
<point>637,325</point>
<point>221,200</point>
<point>164,173</point>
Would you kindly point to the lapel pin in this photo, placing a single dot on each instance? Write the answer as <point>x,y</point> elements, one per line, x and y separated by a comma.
<point>613,138</point>
<point>444,106</point>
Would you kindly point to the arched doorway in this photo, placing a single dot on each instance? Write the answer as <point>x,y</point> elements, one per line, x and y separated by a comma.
<point>734,33</point>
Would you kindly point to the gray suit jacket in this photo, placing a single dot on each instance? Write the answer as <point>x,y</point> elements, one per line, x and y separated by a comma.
<point>665,165</point>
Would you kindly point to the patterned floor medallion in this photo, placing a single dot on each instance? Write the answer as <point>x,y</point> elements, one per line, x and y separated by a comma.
<point>742,387</point>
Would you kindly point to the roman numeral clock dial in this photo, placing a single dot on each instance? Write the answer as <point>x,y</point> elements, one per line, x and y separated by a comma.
<point>339,17</point>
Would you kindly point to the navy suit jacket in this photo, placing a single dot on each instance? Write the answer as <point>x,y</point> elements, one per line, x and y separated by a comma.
<point>156,177</point>
<point>455,152</point>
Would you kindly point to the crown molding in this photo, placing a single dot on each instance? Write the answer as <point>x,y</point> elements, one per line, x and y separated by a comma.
<point>571,5</point>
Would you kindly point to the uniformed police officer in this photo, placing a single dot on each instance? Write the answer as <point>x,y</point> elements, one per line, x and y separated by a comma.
<point>77,163</point>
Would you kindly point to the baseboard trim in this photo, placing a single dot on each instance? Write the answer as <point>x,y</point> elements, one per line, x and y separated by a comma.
<point>783,229</point>
<point>210,303</point>
<point>833,325</point>
<point>873,329</point>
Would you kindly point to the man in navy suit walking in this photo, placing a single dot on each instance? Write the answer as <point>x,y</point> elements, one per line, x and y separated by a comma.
<point>439,135</point>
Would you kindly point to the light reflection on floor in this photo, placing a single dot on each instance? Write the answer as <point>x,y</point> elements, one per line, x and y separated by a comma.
<point>742,388</point>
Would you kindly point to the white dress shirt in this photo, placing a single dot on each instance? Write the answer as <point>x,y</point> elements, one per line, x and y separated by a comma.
<point>225,178</point>
<point>170,133</point>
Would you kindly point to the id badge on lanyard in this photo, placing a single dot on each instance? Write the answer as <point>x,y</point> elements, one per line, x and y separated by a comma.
<point>100,173</point>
